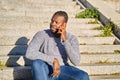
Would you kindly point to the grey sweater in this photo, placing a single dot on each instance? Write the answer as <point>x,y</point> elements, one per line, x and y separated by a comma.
<point>46,47</point>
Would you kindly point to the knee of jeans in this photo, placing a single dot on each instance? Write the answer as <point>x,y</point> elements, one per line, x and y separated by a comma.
<point>38,62</point>
<point>85,76</point>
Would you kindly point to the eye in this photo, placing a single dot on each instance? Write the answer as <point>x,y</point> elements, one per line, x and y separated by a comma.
<point>56,22</point>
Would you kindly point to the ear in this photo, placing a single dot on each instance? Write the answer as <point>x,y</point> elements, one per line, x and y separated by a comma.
<point>64,24</point>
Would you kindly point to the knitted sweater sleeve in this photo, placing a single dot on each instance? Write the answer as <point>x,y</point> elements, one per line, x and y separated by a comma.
<point>72,50</point>
<point>33,49</point>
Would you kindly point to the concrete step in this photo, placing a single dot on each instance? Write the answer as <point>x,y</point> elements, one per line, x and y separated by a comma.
<point>101,69</point>
<point>21,49</point>
<point>14,40</point>
<point>15,60</point>
<point>50,2</point>
<point>100,58</point>
<point>21,4</point>
<point>83,26</point>
<point>21,33</point>
<point>14,19</point>
<point>31,22</point>
<point>81,20</point>
<point>99,48</point>
<point>51,9</point>
<point>55,3</point>
<point>32,32</point>
<point>38,13</point>
<point>17,40</point>
<point>15,13</point>
<point>47,1</point>
<point>13,50</point>
<point>12,73</point>
<point>38,26</point>
<point>86,33</point>
<point>96,40</point>
<point>91,69</point>
<point>70,12</point>
<point>25,19</point>
<point>105,77</point>
<point>41,10</point>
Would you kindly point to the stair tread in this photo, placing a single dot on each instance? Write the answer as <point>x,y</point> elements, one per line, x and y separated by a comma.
<point>96,40</point>
<point>24,33</point>
<point>99,69</point>
<point>105,77</point>
<point>28,25</point>
<point>14,60</point>
<point>99,48</point>
<point>17,40</point>
<point>36,19</point>
<point>21,49</point>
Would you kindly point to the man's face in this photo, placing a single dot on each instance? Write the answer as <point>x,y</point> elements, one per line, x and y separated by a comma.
<point>56,23</point>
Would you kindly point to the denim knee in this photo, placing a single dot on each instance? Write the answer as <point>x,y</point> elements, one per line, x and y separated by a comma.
<point>37,63</point>
<point>84,76</point>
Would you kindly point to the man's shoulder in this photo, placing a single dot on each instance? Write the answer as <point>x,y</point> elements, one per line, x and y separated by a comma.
<point>43,32</point>
<point>69,35</point>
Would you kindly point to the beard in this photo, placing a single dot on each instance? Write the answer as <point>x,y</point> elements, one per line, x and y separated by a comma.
<point>55,33</point>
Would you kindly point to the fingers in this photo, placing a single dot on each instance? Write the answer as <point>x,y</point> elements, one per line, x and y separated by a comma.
<point>55,74</point>
<point>55,60</point>
<point>56,66</point>
<point>59,30</point>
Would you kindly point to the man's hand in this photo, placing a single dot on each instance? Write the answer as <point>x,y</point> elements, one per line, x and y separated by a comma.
<point>56,66</point>
<point>62,31</point>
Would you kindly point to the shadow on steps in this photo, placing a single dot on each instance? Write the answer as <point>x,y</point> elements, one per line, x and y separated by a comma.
<point>14,56</point>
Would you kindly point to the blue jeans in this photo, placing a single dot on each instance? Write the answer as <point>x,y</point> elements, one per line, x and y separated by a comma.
<point>43,71</point>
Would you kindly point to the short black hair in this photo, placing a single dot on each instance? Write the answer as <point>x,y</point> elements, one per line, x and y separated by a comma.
<point>61,13</point>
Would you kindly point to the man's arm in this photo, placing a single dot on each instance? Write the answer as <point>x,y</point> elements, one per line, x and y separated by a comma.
<point>71,46</point>
<point>33,49</point>
<point>72,49</point>
<point>56,67</point>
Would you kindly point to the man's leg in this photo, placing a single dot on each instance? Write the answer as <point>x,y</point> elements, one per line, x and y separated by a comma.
<point>72,73</point>
<point>40,70</point>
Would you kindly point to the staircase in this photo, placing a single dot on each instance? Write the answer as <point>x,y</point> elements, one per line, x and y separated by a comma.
<point>21,19</point>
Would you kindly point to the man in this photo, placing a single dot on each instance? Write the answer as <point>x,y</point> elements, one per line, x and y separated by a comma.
<point>51,49</point>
